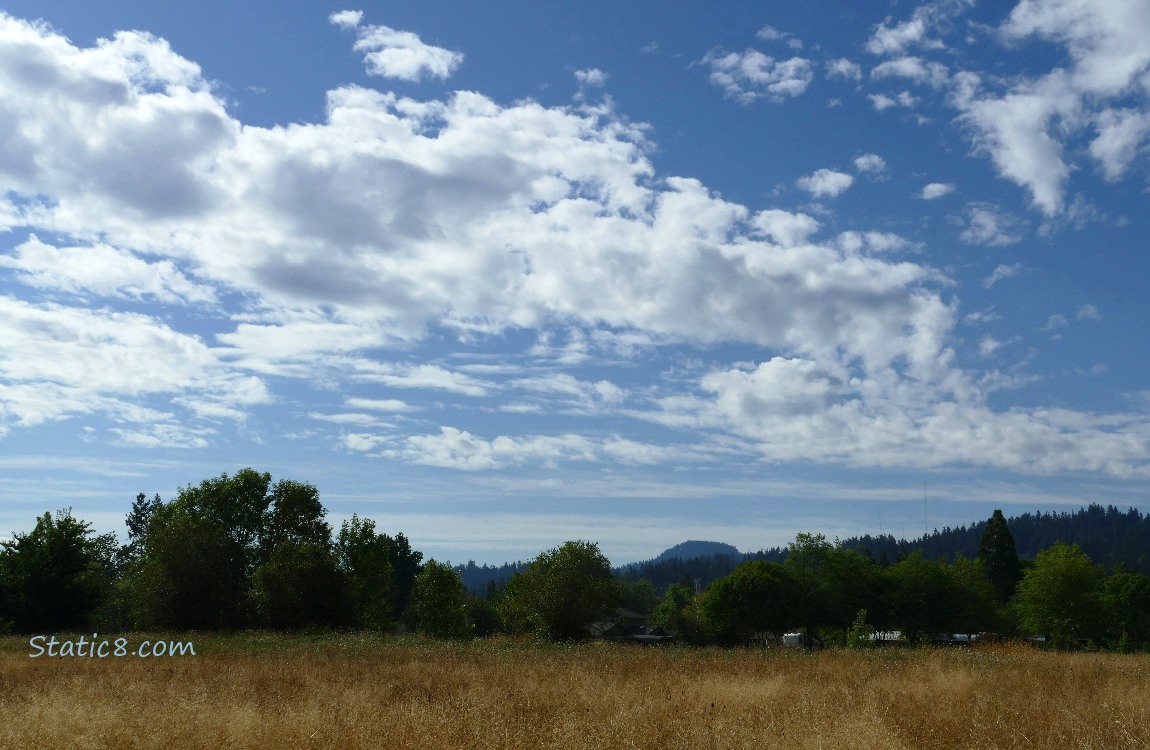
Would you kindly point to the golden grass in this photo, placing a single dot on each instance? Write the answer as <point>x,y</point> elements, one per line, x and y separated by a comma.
<point>357,691</point>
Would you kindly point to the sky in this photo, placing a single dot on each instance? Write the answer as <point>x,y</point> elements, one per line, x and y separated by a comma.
<point>503,275</point>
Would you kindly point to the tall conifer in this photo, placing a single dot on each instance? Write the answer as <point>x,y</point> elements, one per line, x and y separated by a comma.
<point>998,554</point>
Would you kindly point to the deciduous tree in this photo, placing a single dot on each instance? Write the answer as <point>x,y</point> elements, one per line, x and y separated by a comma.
<point>54,577</point>
<point>561,592</point>
<point>1060,596</point>
<point>439,602</point>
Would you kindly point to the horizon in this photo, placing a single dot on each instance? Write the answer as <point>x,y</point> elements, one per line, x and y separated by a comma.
<point>625,274</point>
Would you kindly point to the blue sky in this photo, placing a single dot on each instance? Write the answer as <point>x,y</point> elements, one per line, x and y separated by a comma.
<point>503,276</point>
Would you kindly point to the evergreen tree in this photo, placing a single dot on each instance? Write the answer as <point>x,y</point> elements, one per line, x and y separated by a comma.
<point>999,556</point>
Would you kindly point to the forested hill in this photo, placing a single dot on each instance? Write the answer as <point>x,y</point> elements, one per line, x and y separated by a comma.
<point>1109,536</point>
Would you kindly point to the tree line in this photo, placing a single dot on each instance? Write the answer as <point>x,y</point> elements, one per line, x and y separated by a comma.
<point>243,551</point>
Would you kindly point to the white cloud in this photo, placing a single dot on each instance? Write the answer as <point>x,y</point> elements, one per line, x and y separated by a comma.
<point>999,273</point>
<point>1088,312</point>
<point>102,271</point>
<point>1026,130</point>
<point>387,404</point>
<point>883,102</point>
<point>935,190</point>
<point>988,346</point>
<point>394,220</point>
<point>75,361</point>
<point>844,68</point>
<point>590,77</point>
<point>1121,134</point>
<point>752,75</point>
<point>989,226</point>
<point>397,54</point>
<point>926,20</point>
<point>1014,131</point>
<point>870,164</point>
<point>346,19</point>
<point>770,33</point>
<point>825,183</point>
<point>916,69</point>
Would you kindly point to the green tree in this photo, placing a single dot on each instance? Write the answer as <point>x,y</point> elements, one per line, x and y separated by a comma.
<point>999,557</point>
<point>861,633</point>
<point>1127,599</point>
<point>295,515</point>
<point>405,566</point>
<point>137,522</point>
<point>680,612</point>
<point>758,596</point>
<point>976,608</point>
<point>365,557</point>
<point>923,597</point>
<point>187,576</point>
<point>439,602</point>
<point>1060,596</point>
<point>637,594</point>
<point>561,592</point>
<point>55,577</point>
<point>199,553</point>
<point>299,585</point>
<point>834,582</point>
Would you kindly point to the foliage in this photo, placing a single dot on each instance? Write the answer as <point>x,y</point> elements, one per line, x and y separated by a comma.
<point>1061,596</point>
<point>55,577</point>
<point>438,602</point>
<point>295,515</point>
<point>999,557</point>
<point>861,633</point>
<point>561,592</point>
<point>365,557</point>
<point>757,597</point>
<point>637,594</point>
<point>1127,599</point>
<point>923,597</point>
<point>299,585</point>
<point>187,577</point>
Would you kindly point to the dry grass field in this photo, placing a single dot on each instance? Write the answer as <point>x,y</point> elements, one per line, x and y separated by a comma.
<point>355,691</point>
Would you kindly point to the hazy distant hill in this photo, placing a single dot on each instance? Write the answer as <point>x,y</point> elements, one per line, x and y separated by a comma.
<point>1109,536</point>
<point>687,550</point>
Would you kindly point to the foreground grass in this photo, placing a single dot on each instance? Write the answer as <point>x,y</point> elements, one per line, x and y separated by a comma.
<point>356,691</point>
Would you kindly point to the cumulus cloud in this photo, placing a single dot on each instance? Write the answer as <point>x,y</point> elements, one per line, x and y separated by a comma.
<point>825,183</point>
<point>1026,129</point>
<point>844,68</point>
<point>935,190</point>
<point>883,102</point>
<point>989,226</point>
<point>891,38</point>
<point>590,77</point>
<point>916,69</point>
<point>102,271</point>
<point>870,164</point>
<point>397,54</point>
<point>393,222</point>
<point>751,75</point>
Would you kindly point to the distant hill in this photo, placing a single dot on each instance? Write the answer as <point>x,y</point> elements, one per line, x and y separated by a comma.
<point>1111,537</point>
<point>687,550</point>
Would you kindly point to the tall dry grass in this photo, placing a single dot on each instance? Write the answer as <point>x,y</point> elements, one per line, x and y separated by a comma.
<point>262,691</point>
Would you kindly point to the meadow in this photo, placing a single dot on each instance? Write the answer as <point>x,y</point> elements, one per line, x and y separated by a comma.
<point>260,690</point>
